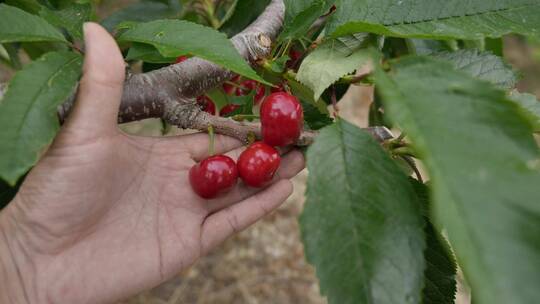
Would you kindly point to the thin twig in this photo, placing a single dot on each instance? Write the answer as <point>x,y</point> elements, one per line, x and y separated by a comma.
<point>409,160</point>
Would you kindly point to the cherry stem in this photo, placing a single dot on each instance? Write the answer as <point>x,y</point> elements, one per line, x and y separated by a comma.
<point>404,151</point>
<point>212,136</point>
<point>401,137</point>
<point>350,79</point>
<point>284,49</point>
<point>397,142</point>
<point>242,117</point>
<point>251,138</point>
<point>413,166</point>
<point>234,84</point>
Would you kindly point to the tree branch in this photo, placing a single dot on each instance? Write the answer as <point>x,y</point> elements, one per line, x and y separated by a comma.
<point>146,95</point>
<point>199,120</point>
<point>169,92</point>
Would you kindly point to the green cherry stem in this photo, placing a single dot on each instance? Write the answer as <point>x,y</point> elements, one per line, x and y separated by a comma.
<point>251,138</point>
<point>404,151</point>
<point>242,117</point>
<point>410,162</point>
<point>401,137</point>
<point>211,149</point>
<point>234,84</point>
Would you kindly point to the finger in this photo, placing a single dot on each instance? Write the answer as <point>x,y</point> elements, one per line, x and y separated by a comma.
<point>101,86</point>
<point>223,224</point>
<point>291,164</point>
<point>197,144</point>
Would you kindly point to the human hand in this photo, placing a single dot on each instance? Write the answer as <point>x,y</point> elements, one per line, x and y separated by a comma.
<point>105,215</point>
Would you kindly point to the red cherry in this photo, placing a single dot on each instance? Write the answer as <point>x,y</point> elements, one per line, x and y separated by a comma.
<point>250,84</point>
<point>207,104</point>
<point>240,92</point>
<point>245,87</point>
<point>210,108</point>
<point>282,119</point>
<point>228,109</point>
<point>181,59</point>
<point>229,88</point>
<point>213,176</point>
<point>295,56</point>
<point>258,164</point>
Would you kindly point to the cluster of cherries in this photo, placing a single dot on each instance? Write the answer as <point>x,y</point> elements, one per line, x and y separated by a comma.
<point>236,87</point>
<point>282,120</point>
<point>239,87</point>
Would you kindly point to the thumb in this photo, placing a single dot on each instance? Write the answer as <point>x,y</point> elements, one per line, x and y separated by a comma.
<point>100,90</point>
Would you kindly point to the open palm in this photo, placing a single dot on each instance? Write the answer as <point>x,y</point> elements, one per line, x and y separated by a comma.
<point>105,215</point>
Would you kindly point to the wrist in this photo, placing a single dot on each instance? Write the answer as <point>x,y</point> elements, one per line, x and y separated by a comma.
<point>12,286</point>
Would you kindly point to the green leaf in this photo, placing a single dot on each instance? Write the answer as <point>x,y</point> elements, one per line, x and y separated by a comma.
<point>279,65</point>
<point>174,38</point>
<point>314,118</point>
<point>306,94</point>
<point>28,119</point>
<point>218,97</point>
<point>441,268</point>
<point>175,5</point>
<point>361,225</point>
<point>485,170</point>
<point>63,4</point>
<point>37,49</point>
<point>459,19</point>
<point>31,6</point>
<point>482,65</point>
<point>479,44</point>
<point>530,105</point>
<point>17,25</point>
<point>426,46</point>
<point>245,12</point>
<point>245,104</point>
<point>300,15</point>
<point>440,274</point>
<point>496,46</point>
<point>241,100</point>
<point>332,60</point>
<point>71,18</point>
<point>139,12</point>
<point>147,53</point>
